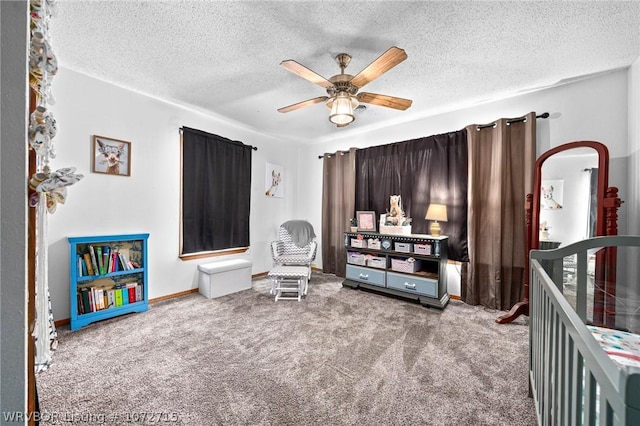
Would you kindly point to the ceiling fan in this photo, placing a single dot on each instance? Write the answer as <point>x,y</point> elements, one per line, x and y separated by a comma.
<point>342,89</point>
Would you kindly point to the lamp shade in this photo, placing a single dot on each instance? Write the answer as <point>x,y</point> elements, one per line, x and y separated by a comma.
<point>342,108</point>
<point>437,212</point>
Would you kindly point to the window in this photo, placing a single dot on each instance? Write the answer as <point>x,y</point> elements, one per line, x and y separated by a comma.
<point>215,194</point>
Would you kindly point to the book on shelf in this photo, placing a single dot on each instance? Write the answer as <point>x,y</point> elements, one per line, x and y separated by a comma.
<point>88,264</point>
<point>126,265</point>
<point>94,262</point>
<point>131,287</point>
<point>98,250</point>
<point>109,260</point>
<point>83,265</point>
<point>105,260</point>
<point>114,261</point>
<point>97,299</point>
<point>104,293</point>
<point>80,304</point>
<point>139,293</point>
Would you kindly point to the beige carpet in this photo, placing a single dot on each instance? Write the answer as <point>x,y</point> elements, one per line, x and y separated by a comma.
<point>339,357</point>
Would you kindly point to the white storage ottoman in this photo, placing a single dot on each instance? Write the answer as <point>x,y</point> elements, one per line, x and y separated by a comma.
<point>225,277</point>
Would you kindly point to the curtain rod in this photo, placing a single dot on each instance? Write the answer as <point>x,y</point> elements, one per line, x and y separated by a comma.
<point>482,126</point>
<point>515,120</point>
<point>181,129</point>
<point>337,152</point>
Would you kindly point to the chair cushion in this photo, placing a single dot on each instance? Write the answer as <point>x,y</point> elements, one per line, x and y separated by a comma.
<point>293,259</point>
<point>288,272</point>
<point>289,247</point>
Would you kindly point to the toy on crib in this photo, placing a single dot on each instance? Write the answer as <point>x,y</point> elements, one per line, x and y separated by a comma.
<point>396,216</point>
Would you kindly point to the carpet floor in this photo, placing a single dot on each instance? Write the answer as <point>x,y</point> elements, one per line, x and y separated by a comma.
<point>338,357</point>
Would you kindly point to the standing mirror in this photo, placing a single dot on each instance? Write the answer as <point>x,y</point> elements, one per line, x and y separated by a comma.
<point>567,205</point>
<point>570,184</point>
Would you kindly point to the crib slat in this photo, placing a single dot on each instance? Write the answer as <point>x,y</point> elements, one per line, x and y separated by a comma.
<point>547,356</point>
<point>555,349</point>
<point>590,398</point>
<point>576,387</point>
<point>561,365</point>
<point>581,286</point>
<point>569,390</point>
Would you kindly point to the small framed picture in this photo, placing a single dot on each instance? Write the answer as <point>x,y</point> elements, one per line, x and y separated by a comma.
<point>551,194</point>
<point>111,156</point>
<point>366,221</point>
<point>274,185</point>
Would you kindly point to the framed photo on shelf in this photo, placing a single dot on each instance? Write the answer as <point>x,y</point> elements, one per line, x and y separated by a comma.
<point>111,156</point>
<point>366,221</point>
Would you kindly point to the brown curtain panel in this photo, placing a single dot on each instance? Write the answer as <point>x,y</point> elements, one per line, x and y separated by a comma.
<point>338,206</point>
<point>501,163</point>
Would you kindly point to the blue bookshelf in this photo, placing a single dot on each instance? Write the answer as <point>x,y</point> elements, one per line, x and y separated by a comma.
<point>108,276</point>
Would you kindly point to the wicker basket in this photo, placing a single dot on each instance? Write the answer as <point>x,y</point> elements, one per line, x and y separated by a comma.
<point>422,249</point>
<point>377,262</point>
<point>356,258</point>
<point>405,265</point>
<point>358,243</point>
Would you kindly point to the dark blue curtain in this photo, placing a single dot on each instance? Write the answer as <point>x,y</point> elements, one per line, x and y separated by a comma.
<point>216,192</point>
<point>427,170</point>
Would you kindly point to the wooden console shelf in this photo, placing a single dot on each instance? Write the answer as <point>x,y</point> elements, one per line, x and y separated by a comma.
<point>408,266</point>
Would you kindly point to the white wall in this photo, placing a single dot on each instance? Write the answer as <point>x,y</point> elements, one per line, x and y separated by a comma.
<point>591,109</point>
<point>633,193</point>
<point>148,200</point>
<point>13,211</point>
<point>632,201</point>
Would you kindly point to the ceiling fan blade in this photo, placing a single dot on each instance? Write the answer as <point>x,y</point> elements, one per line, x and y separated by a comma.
<point>375,69</point>
<point>303,104</point>
<point>384,100</point>
<point>306,73</point>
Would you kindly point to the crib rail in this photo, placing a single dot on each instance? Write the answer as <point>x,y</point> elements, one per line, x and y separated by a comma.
<point>573,381</point>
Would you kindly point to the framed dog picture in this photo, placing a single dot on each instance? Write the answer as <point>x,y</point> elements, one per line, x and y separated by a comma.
<point>273,181</point>
<point>551,194</point>
<point>111,156</point>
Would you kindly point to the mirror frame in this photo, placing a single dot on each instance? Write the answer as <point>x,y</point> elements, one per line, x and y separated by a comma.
<point>603,183</point>
<point>532,209</point>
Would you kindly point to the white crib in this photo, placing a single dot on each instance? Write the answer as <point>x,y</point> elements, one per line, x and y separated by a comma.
<point>572,379</point>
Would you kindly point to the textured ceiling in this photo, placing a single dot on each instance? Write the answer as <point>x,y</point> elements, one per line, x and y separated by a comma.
<point>223,56</point>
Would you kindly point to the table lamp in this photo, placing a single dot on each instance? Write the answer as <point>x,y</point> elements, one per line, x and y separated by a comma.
<point>436,212</point>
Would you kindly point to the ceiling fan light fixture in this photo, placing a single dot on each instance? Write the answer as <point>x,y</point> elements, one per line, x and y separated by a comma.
<point>342,106</point>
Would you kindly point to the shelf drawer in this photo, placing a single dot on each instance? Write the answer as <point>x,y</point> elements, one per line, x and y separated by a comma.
<point>413,284</point>
<point>365,275</point>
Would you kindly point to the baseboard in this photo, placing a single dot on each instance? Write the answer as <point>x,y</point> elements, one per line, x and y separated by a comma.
<point>454,297</point>
<point>173,295</point>
<point>66,321</point>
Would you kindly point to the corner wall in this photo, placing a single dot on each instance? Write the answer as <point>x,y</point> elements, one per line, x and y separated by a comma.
<point>148,200</point>
<point>13,214</point>
<point>633,198</point>
<point>632,201</point>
